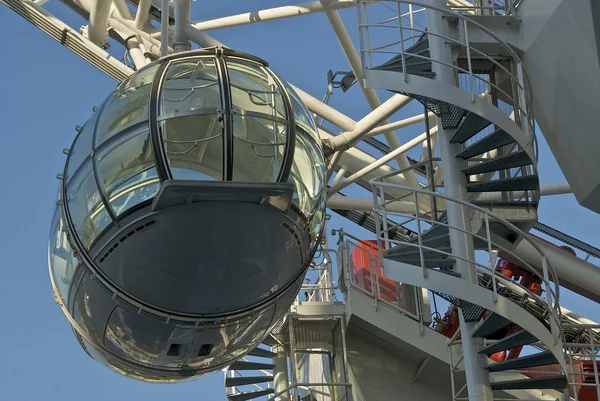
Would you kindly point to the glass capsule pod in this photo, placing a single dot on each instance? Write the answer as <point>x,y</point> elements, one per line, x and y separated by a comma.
<point>191,204</point>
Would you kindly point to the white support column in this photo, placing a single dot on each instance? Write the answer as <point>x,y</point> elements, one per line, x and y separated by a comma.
<point>455,187</point>
<point>346,140</point>
<point>370,94</point>
<point>137,55</point>
<point>98,23</point>
<point>182,20</point>
<point>141,15</point>
<point>280,373</point>
<point>271,14</point>
<point>164,28</point>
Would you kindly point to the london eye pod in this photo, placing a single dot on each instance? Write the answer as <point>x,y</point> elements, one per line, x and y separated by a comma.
<point>189,209</point>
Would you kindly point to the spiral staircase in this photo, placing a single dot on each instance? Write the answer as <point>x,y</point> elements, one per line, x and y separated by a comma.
<point>251,377</point>
<point>499,157</point>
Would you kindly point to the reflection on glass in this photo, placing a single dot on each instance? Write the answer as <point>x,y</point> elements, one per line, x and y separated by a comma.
<point>194,146</point>
<point>307,174</point>
<point>253,89</point>
<point>302,116</point>
<point>123,162</point>
<point>82,148</point>
<point>62,259</point>
<point>83,200</point>
<point>190,85</point>
<point>127,105</point>
<point>258,149</point>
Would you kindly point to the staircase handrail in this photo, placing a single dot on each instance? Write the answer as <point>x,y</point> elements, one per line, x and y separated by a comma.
<point>520,101</point>
<point>548,275</point>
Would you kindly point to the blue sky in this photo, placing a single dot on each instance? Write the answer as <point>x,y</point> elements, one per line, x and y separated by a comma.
<point>45,92</point>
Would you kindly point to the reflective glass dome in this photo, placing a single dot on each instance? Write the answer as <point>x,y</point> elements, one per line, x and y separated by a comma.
<point>127,254</point>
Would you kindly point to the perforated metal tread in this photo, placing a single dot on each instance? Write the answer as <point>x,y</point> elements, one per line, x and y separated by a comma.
<point>243,365</point>
<point>250,395</point>
<point>529,182</point>
<point>492,323</point>
<point>516,159</point>
<point>243,381</point>
<point>541,383</point>
<point>430,263</point>
<point>493,141</point>
<point>469,127</point>
<point>541,359</point>
<point>262,353</point>
<point>517,339</point>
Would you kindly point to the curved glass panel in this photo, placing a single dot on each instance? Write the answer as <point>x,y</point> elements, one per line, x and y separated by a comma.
<point>308,174</point>
<point>189,85</point>
<point>126,168</point>
<point>61,257</point>
<point>254,89</point>
<point>127,105</point>
<point>302,115</point>
<point>82,148</point>
<point>258,148</point>
<point>85,206</point>
<point>194,147</point>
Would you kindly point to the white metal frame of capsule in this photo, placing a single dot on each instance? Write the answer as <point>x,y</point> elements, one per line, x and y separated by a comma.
<point>190,207</point>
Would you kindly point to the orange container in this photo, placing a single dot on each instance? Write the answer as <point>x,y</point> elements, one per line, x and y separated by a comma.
<point>365,255</point>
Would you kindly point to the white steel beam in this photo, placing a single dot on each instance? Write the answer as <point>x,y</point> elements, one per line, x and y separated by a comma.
<point>366,204</point>
<point>141,15</point>
<point>380,162</point>
<point>70,38</point>
<point>407,122</point>
<point>370,94</point>
<point>271,14</point>
<point>122,9</point>
<point>347,140</point>
<point>182,20</point>
<point>97,25</point>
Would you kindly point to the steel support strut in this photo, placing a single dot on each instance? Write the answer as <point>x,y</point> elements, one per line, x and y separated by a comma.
<point>455,187</point>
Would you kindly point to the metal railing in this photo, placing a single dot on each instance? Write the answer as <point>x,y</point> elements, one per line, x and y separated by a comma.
<point>483,261</point>
<point>583,361</point>
<point>360,268</point>
<point>310,388</point>
<point>407,18</point>
<point>323,288</point>
<point>485,7</point>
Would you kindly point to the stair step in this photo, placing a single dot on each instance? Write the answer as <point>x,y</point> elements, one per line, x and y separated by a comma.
<point>541,359</point>
<point>250,395</point>
<point>243,365</point>
<point>517,339</point>
<point>529,182</point>
<point>471,125</point>
<point>263,353</point>
<point>244,381</point>
<point>512,160</point>
<point>541,383</point>
<point>430,263</point>
<point>493,141</point>
<point>492,323</point>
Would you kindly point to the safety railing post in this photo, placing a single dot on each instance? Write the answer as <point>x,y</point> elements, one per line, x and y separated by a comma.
<point>418,220</point>
<point>491,256</point>
<point>523,103</point>
<point>386,234</point>
<point>594,362</point>
<point>549,301</point>
<point>368,35</point>
<point>402,43</point>
<point>361,34</point>
<point>472,80</point>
